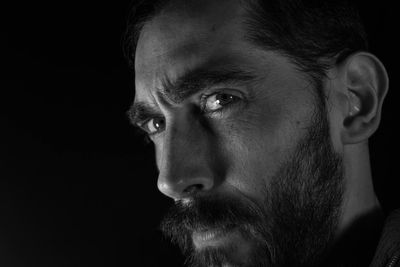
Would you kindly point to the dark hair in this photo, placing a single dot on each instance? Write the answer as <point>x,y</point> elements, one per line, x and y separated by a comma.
<point>313,34</point>
<point>141,12</point>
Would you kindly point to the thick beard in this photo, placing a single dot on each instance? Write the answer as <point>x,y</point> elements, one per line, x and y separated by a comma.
<point>293,226</point>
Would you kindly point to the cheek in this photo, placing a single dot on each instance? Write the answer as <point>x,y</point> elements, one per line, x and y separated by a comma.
<point>259,141</point>
<point>254,145</point>
<point>335,126</point>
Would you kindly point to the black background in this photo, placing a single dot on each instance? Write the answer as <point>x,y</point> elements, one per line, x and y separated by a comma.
<point>77,186</point>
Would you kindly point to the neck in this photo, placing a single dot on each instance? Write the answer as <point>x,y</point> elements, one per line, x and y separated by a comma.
<point>357,245</point>
<point>362,217</point>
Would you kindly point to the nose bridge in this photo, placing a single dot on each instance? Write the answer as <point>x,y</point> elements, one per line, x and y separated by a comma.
<point>184,164</point>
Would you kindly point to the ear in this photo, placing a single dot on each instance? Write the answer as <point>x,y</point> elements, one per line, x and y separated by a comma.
<point>366,82</point>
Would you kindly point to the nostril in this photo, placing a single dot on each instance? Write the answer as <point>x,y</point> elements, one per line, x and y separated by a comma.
<point>192,189</point>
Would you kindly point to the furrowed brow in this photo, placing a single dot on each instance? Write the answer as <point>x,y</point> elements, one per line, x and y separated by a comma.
<point>192,82</point>
<point>198,80</point>
<point>141,111</point>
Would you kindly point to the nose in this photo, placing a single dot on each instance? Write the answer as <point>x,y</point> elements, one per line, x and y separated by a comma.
<point>185,160</point>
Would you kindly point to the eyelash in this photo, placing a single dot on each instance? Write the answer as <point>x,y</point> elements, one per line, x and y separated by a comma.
<point>203,101</point>
<point>142,126</point>
<point>206,96</point>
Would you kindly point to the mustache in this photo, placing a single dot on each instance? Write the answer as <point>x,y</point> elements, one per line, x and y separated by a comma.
<point>216,212</point>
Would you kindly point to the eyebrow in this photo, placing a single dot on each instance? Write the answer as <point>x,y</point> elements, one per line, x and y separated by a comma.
<point>192,82</point>
<point>141,111</point>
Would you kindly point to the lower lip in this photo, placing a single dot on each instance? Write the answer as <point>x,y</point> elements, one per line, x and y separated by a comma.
<point>210,238</point>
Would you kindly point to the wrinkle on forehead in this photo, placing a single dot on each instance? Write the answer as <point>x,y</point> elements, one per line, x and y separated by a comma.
<point>182,38</point>
<point>184,24</point>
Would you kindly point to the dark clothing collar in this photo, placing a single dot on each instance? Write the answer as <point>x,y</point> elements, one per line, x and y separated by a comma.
<point>388,251</point>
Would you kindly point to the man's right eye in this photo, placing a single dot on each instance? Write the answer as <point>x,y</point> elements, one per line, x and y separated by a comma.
<point>154,125</point>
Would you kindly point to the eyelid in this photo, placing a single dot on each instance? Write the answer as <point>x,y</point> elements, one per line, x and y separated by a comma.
<point>206,95</point>
<point>145,122</point>
<point>203,100</point>
<point>145,117</point>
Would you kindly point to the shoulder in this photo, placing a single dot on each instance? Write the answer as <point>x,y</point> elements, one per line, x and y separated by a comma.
<point>388,250</point>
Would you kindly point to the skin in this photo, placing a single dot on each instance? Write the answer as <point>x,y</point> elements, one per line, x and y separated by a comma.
<point>212,152</point>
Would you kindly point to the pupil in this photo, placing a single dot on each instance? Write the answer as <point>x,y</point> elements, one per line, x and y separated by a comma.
<point>157,123</point>
<point>223,98</point>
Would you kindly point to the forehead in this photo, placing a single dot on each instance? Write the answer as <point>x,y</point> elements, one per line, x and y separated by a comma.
<point>185,35</point>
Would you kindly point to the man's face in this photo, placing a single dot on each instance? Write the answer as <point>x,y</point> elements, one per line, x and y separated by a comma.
<point>242,141</point>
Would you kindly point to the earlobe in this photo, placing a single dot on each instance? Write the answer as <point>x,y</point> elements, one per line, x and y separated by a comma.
<point>366,84</point>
